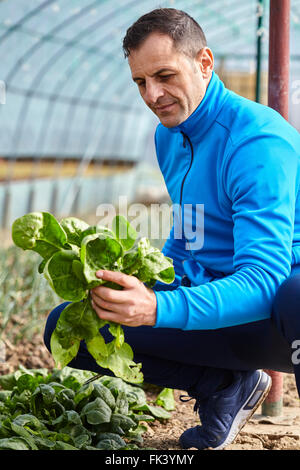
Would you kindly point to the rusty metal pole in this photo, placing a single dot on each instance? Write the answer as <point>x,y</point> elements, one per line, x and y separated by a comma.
<point>278,99</point>
<point>279,56</point>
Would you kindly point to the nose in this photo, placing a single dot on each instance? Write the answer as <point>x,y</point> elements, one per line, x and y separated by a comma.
<point>153,92</point>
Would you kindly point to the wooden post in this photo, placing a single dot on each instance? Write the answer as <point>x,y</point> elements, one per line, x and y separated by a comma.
<point>272,406</point>
<point>278,99</point>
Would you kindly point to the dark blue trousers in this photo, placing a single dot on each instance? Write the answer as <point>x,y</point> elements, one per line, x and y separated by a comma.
<point>200,361</point>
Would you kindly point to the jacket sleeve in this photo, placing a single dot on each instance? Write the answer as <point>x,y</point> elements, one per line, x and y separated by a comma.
<point>261,182</point>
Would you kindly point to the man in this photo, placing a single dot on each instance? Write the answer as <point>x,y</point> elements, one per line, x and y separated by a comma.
<point>233,307</point>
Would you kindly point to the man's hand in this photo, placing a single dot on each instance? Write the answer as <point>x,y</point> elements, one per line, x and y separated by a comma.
<point>134,305</point>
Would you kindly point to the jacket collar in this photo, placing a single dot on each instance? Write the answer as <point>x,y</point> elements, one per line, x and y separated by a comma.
<point>205,114</point>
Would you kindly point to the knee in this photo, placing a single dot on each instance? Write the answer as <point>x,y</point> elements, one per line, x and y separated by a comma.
<point>286,304</point>
<point>51,323</point>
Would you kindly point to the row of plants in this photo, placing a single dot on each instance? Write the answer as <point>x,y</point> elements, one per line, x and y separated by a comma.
<point>59,410</point>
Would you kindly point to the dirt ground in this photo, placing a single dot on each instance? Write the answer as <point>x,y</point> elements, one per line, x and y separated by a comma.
<point>261,433</point>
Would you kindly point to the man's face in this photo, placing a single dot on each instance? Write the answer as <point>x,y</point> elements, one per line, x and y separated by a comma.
<point>171,83</point>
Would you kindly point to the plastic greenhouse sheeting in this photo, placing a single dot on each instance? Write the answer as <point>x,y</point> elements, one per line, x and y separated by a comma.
<point>66,88</point>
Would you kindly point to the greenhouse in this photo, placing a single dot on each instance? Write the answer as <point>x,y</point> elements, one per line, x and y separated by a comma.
<point>69,107</point>
<point>146,253</point>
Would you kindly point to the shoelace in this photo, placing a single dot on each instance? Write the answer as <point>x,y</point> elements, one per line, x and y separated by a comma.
<point>197,404</point>
<point>201,407</point>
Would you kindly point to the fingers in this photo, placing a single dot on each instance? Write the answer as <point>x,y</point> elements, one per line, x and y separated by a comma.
<point>116,313</point>
<point>116,305</point>
<point>108,316</point>
<point>99,302</point>
<point>122,279</point>
<point>114,295</point>
<point>109,294</point>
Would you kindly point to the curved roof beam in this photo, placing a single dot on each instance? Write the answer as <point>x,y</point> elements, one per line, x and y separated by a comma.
<point>211,14</point>
<point>31,14</point>
<point>53,98</point>
<point>51,62</point>
<point>45,37</point>
<point>215,19</point>
<point>75,100</point>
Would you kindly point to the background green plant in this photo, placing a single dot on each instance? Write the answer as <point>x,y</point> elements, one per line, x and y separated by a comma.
<point>25,295</point>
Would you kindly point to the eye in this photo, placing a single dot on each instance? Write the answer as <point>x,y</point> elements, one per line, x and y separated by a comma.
<point>164,78</point>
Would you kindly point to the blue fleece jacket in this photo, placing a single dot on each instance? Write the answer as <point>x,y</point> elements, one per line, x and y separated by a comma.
<point>232,170</point>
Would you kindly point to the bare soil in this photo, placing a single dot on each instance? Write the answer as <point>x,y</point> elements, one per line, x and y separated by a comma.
<point>260,433</point>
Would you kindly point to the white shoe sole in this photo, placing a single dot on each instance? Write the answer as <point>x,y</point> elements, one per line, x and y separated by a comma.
<point>244,415</point>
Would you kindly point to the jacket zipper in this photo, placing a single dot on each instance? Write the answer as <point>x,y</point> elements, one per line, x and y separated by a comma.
<point>185,279</point>
<point>186,138</point>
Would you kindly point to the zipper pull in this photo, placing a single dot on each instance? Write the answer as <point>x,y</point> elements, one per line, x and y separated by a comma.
<point>184,139</point>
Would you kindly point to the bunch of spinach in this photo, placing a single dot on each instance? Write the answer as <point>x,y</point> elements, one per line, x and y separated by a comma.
<point>43,410</point>
<point>72,252</point>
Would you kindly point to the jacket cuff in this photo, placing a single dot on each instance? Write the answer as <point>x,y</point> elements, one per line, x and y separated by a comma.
<point>171,309</point>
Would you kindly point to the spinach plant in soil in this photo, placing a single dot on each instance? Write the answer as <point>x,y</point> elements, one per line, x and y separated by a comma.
<point>71,252</point>
<point>42,410</point>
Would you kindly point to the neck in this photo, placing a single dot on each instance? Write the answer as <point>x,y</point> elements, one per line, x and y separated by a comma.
<point>206,112</point>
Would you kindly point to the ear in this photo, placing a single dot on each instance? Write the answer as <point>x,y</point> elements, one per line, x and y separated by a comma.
<point>205,60</point>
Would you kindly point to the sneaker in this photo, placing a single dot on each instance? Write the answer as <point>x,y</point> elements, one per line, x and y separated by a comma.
<point>224,414</point>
